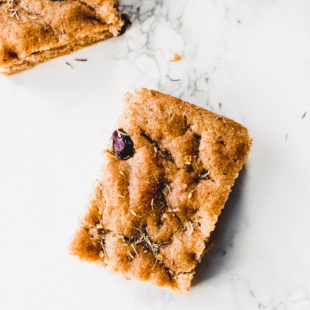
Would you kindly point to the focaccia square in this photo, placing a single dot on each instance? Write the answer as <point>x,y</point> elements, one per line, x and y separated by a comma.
<point>163,183</point>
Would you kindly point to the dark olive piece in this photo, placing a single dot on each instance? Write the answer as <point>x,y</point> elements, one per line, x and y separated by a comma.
<point>122,144</point>
<point>127,23</point>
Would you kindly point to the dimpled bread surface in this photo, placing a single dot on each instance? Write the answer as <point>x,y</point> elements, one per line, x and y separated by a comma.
<point>34,31</point>
<point>150,217</point>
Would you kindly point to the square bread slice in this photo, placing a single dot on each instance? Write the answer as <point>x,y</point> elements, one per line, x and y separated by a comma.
<point>163,183</point>
<point>34,31</point>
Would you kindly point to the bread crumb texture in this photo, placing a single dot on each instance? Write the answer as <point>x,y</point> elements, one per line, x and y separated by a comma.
<point>34,31</point>
<point>150,217</point>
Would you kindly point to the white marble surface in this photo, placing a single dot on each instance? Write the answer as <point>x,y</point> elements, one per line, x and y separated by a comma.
<point>246,59</point>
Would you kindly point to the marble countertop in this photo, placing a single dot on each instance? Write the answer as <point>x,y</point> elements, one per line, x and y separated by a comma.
<point>246,59</point>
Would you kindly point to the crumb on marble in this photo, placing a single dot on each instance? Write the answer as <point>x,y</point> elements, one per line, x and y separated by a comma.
<point>176,58</point>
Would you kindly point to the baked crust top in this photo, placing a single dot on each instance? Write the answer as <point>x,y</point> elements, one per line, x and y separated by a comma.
<point>150,217</point>
<point>28,27</point>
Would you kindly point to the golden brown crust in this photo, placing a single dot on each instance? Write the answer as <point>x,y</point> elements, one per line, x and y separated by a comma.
<point>150,217</point>
<point>34,31</point>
